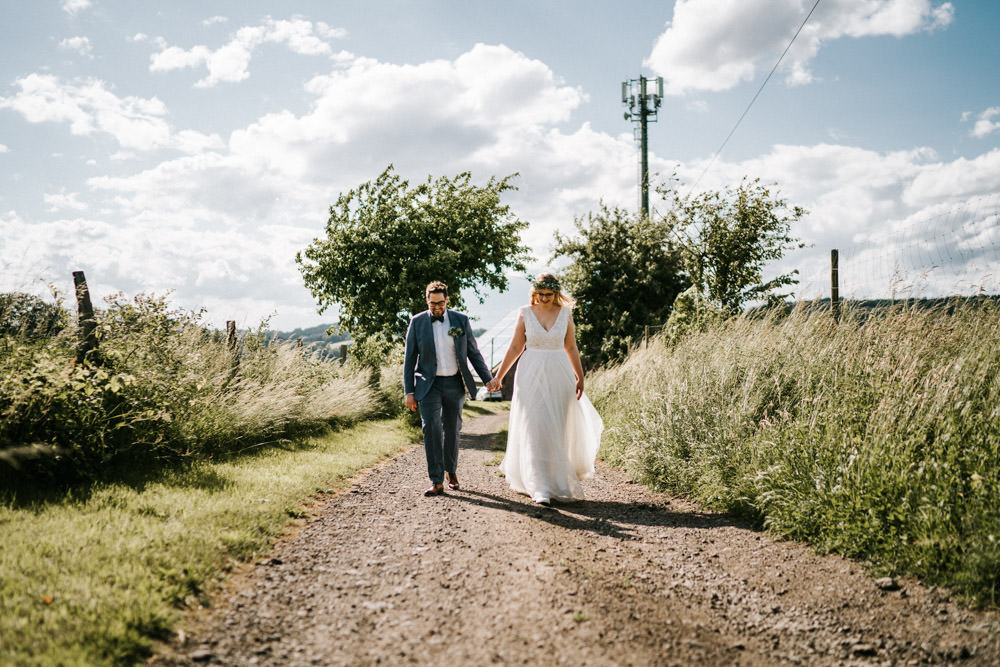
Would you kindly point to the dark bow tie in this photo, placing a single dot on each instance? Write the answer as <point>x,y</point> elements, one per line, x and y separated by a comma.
<point>437,318</point>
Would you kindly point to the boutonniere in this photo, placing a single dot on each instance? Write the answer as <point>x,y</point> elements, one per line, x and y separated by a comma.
<point>455,332</point>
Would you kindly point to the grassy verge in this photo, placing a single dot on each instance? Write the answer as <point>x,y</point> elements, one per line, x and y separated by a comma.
<point>878,438</point>
<point>499,449</point>
<point>94,577</point>
<point>161,387</point>
<point>474,409</point>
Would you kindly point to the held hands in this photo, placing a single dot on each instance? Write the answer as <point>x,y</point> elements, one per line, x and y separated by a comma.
<point>493,385</point>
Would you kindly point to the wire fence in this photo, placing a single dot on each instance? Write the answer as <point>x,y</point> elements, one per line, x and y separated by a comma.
<point>947,250</point>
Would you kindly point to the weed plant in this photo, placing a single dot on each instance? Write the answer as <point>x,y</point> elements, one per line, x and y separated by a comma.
<point>878,437</point>
<point>159,386</point>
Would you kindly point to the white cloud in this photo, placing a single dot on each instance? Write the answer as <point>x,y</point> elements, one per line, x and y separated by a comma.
<point>75,6</point>
<point>210,223</point>
<point>904,221</point>
<point>81,45</point>
<point>201,224</point>
<point>952,181</point>
<point>88,107</point>
<point>985,125</point>
<point>716,44</point>
<point>64,200</point>
<point>4,149</point>
<point>435,113</point>
<point>698,106</point>
<point>230,62</point>
<point>214,20</point>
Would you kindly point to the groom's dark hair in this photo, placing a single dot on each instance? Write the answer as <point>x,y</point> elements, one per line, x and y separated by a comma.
<point>436,287</point>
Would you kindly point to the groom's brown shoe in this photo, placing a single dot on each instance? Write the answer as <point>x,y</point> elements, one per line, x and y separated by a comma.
<point>452,480</point>
<point>435,490</point>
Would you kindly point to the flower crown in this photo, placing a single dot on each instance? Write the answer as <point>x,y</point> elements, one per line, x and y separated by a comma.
<point>547,283</point>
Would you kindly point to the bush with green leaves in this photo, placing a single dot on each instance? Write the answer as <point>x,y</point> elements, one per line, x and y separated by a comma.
<point>624,275</point>
<point>385,240</point>
<point>877,438</point>
<point>161,387</point>
<point>727,237</point>
<point>29,316</point>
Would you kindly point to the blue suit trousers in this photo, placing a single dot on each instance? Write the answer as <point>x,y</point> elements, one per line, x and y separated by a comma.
<point>441,417</point>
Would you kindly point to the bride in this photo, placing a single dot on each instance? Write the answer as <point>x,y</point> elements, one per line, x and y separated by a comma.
<point>554,430</point>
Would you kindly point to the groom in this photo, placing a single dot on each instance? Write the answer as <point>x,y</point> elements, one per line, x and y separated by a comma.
<point>436,376</point>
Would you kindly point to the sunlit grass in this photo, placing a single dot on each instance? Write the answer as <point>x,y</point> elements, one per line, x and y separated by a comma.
<point>480,408</point>
<point>95,578</point>
<point>160,386</point>
<point>878,438</point>
<point>499,448</point>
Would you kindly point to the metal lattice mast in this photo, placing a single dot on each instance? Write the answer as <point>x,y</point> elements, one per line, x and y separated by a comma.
<point>642,96</point>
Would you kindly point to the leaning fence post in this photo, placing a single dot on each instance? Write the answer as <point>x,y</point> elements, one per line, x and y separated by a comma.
<point>343,353</point>
<point>87,341</point>
<point>835,284</point>
<point>231,335</point>
<point>231,343</point>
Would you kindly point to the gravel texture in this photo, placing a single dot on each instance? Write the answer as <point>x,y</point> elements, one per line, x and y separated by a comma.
<point>380,574</point>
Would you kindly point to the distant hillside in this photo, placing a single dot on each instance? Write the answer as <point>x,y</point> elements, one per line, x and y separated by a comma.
<point>315,338</point>
<point>328,347</point>
<point>945,303</point>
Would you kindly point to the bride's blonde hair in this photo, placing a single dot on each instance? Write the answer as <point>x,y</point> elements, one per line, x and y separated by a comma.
<point>549,283</point>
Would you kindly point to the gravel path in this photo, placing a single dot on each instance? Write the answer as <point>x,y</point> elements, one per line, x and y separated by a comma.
<point>382,575</point>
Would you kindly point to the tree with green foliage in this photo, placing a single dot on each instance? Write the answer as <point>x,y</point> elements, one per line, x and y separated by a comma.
<point>27,315</point>
<point>726,238</point>
<point>385,240</point>
<point>624,275</point>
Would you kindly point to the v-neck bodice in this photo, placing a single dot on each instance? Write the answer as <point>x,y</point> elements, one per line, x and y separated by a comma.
<point>540,338</point>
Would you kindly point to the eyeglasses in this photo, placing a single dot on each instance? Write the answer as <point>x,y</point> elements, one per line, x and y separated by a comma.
<point>437,303</point>
<point>545,295</point>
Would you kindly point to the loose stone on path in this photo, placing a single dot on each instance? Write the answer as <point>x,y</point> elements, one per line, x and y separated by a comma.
<point>382,575</point>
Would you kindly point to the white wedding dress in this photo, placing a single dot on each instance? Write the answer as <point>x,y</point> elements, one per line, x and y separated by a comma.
<point>552,438</point>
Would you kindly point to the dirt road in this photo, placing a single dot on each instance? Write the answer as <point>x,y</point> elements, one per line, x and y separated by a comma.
<point>382,575</point>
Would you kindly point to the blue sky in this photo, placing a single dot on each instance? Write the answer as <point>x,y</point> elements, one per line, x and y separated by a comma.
<point>195,147</point>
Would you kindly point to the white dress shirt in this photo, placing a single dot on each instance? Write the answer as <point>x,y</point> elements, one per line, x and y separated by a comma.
<point>444,347</point>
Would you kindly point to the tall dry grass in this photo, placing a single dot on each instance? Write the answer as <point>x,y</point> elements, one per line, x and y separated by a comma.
<point>161,386</point>
<point>878,438</point>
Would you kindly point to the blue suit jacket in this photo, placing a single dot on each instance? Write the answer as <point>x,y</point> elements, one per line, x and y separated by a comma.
<point>420,360</point>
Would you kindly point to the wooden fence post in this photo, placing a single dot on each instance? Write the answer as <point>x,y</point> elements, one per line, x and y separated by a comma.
<point>835,284</point>
<point>343,353</point>
<point>231,335</point>
<point>87,341</point>
<point>232,343</point>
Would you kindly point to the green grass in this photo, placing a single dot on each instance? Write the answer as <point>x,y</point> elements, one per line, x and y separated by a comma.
<point>160,386</point>
<point>878,438</point>
<point>97,575</point>
<point>499,448</point>
<point>480,408</point>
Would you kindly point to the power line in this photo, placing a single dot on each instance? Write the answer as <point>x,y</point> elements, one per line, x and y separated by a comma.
<point>756,95</point>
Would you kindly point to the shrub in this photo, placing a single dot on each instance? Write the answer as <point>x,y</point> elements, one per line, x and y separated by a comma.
<point>28,316</point>
<point>163,387</point>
